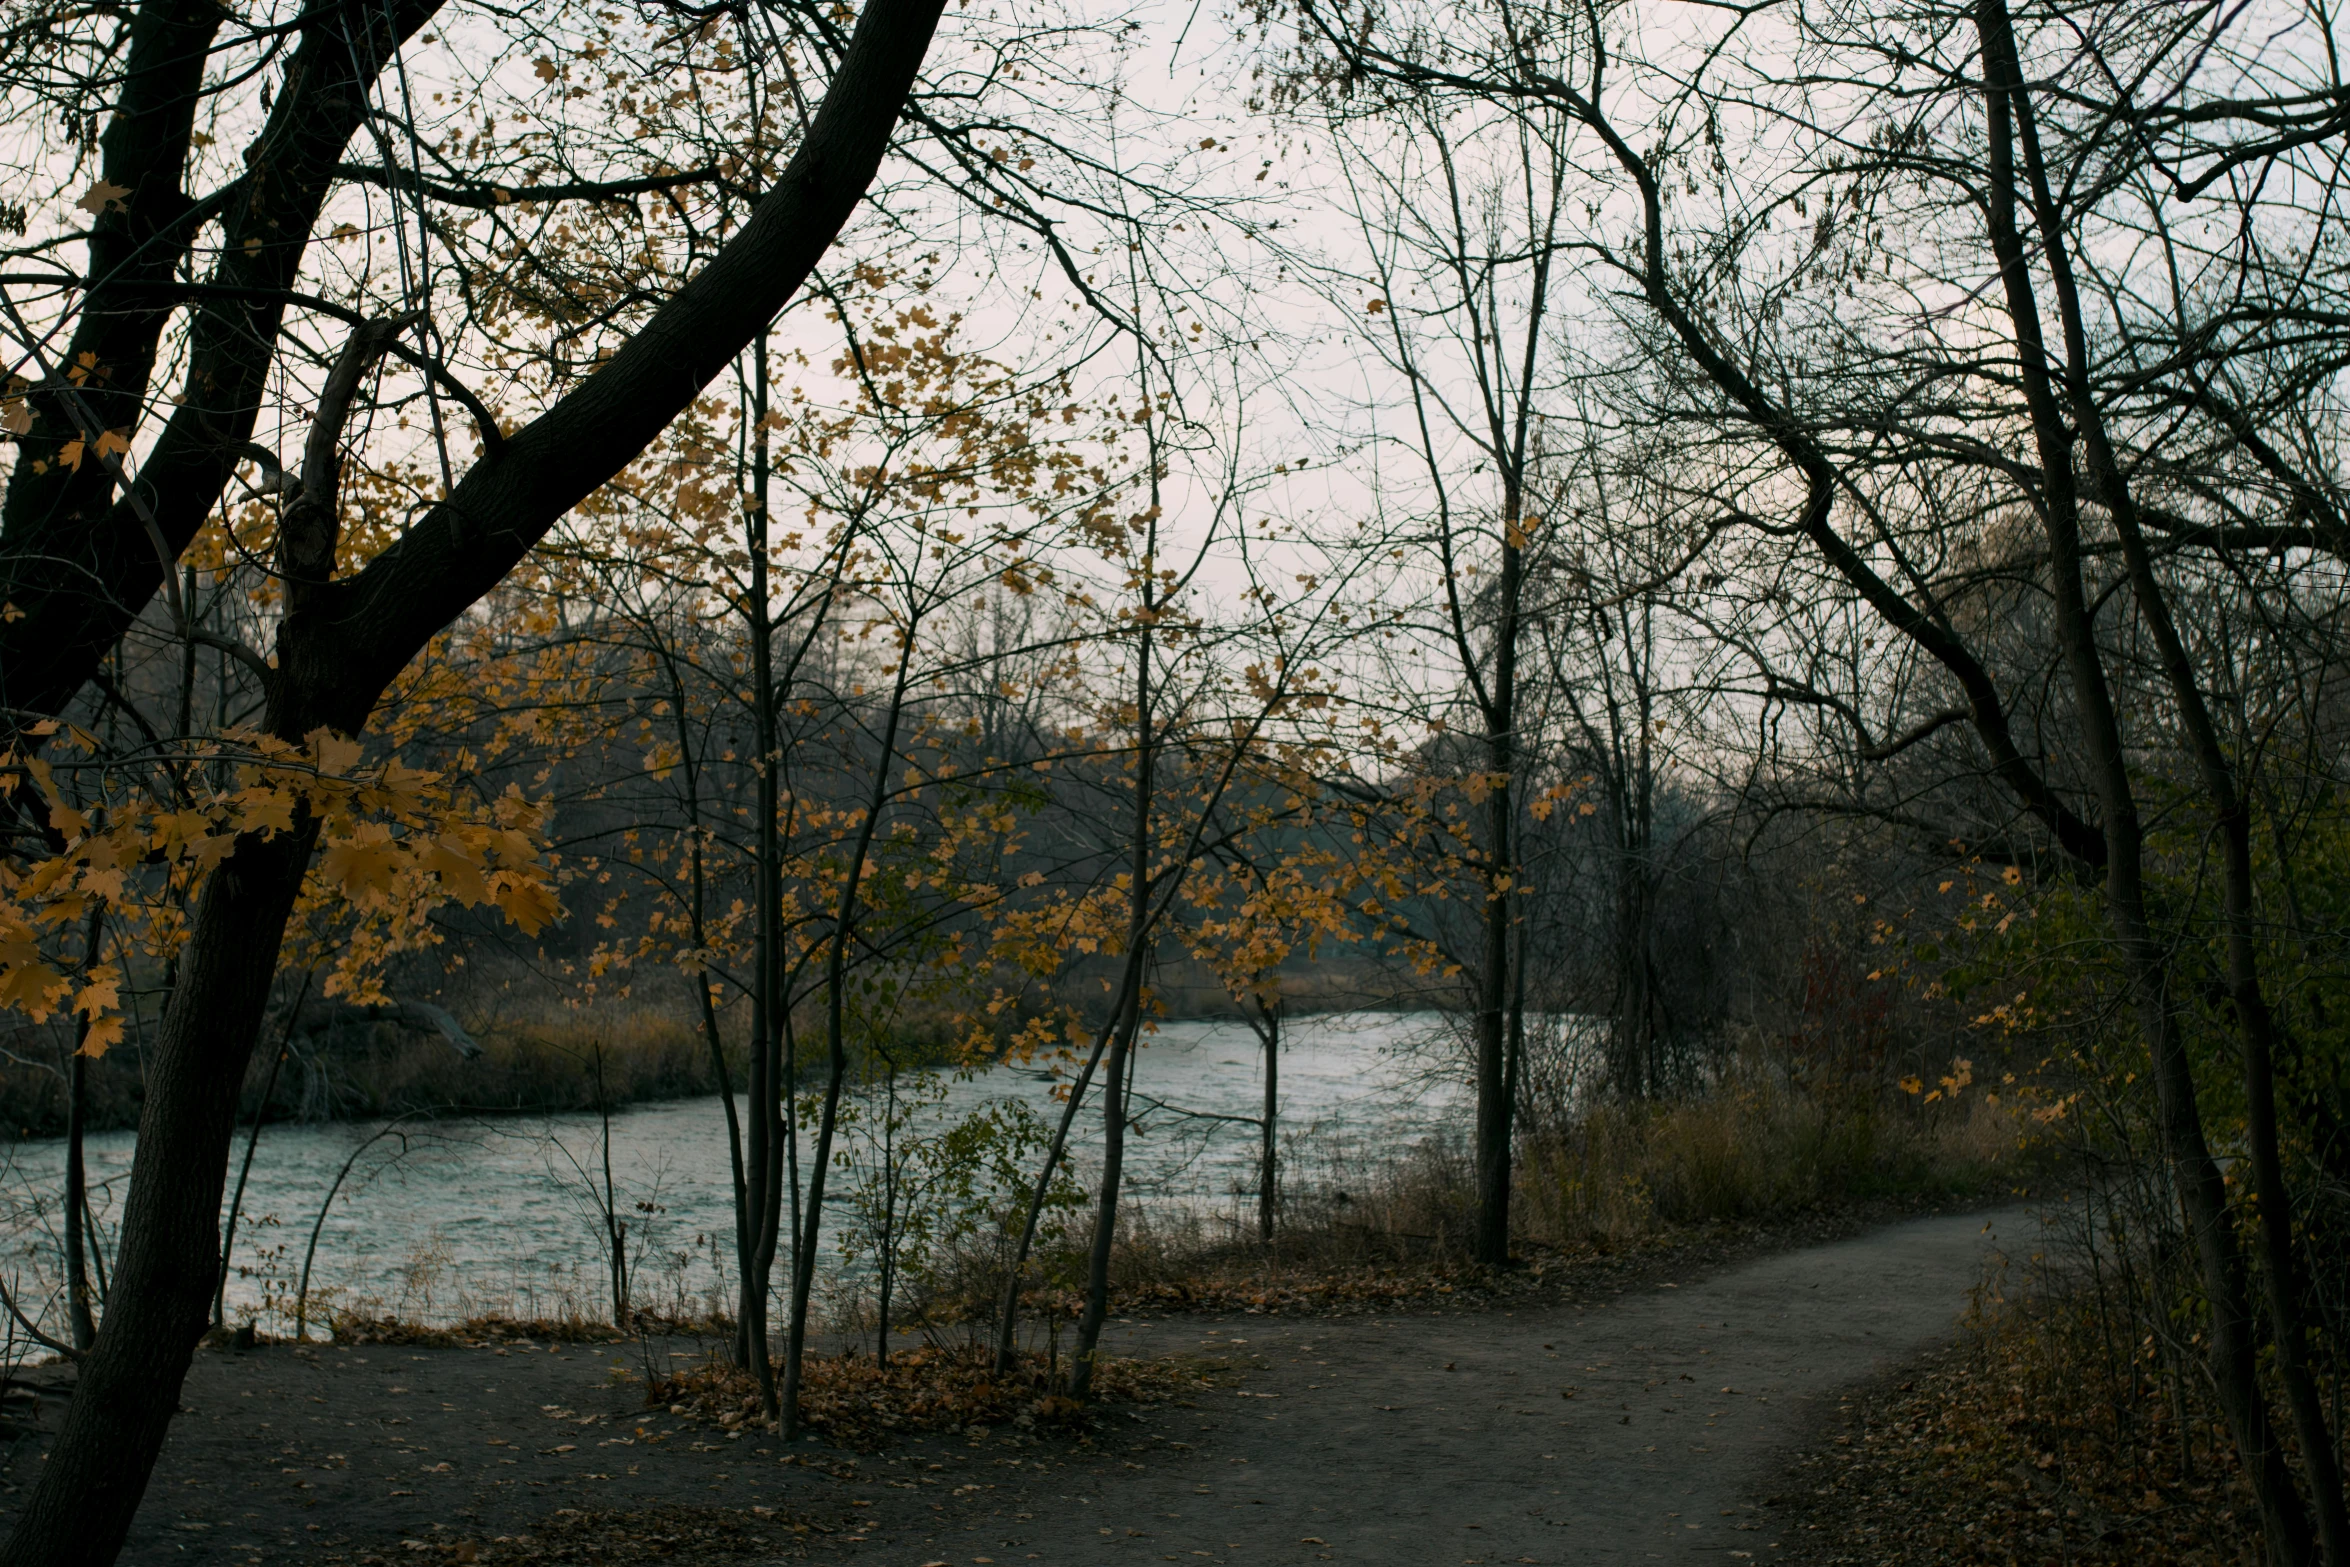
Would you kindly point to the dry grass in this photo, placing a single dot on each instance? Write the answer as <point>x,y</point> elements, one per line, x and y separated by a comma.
<point>2020,1446</point>
<point>860,1402</point>
<point>1763,1145</point>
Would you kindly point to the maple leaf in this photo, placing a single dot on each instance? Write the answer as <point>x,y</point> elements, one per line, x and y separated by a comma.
<point>101,991</point>
<point>365,865</point>
<point>71,455</point>
<point>452,859</point>
<point>105,196</point>
<point>264,811</point>
<point>527,902</point>
<point>32,987</point>
<point>102,1032</point>
<point>335,753</point>
<point>113,443</point>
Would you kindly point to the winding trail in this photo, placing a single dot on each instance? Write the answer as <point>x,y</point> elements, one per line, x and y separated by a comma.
<point>1644,1423</point>
<point>1422,1441</point>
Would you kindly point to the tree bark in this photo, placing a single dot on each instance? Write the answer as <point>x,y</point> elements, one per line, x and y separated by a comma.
<point>236,1201</point>
<point>766,1104</point>
<point>83,1325</point>
<point>1494,1110</point>
<point>1008,1313</point>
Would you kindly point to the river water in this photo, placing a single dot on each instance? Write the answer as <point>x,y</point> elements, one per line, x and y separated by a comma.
<point>440,1220</point>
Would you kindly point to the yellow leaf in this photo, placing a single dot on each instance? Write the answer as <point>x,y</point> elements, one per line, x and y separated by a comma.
<point>451,859</point>
<point>336,754</point>
<point>33,988</point>
<point>208,851</point>
<point>103,1031</point>
<point>70,454</point>
<point>101,991</point>
<point>364,865</point>
<point>527,902</point>
<point>265,811</point>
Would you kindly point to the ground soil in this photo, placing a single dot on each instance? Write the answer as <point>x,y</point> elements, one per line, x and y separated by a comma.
<point>1638,1418</point>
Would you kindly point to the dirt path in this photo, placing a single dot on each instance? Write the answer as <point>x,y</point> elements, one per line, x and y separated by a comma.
<point>1430,1441</point>
<point>1631,1427</point>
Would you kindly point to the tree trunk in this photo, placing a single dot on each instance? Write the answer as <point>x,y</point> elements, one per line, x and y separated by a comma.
<point>615,1227</point>
<point>343,640</point>
<point>767,1106</point>
<point>169,1250</point>
<point>236,1202</point>
<point>889,1217</point>
<point>2256,1026</point>
<point>76,559</point>
<point>77,1202</point>
<point>1105,1216</point>
<point>1494,1117</point>
<point>1008,1313</point>
<point>836,1045</point>
<point>2202,1188</point>
<point>1268,1155</point>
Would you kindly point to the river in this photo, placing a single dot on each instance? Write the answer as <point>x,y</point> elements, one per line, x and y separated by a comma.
<point>440,1220</point>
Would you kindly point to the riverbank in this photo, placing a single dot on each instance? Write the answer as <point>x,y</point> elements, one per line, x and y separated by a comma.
<point>565,1063</point>
<point>540,1052</point>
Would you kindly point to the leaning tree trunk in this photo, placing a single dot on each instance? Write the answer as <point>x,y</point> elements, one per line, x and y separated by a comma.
<point>1138,935</point>
<point>161,1298</point>
<point>2231,810</point>
<point>836,1044</point>
<point>342,642</point>
<point>2201,1187</point>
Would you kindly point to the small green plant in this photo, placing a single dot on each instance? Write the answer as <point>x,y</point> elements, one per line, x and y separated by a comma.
<point>931,1196</point>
